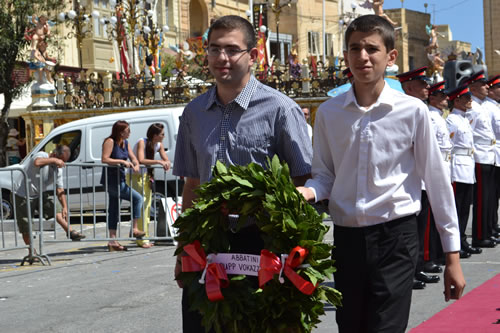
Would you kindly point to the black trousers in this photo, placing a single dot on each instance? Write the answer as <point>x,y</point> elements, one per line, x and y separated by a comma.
<point>375,269</point>
<point>497,192</point>
<point>247,240</point>
<point>463,199</point>
<point>429,243</point>
<point>484,193</point>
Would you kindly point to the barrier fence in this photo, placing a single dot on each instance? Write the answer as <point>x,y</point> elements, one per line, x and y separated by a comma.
<point>88,202</point>
<point>12,241</point>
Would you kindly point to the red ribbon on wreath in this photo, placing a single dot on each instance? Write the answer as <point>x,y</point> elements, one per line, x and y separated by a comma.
<point>214,275</point>
<point>270,264</point>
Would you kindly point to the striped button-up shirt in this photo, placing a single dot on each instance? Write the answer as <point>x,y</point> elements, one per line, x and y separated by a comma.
<point>259,123</point>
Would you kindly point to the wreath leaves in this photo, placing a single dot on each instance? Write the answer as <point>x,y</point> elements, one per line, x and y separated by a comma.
<point>285,220</point>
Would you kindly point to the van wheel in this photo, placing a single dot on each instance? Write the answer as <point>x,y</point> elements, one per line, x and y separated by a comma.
<point>7,208</point>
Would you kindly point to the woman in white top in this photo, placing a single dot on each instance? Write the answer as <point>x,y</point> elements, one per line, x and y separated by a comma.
<point>145,150</point>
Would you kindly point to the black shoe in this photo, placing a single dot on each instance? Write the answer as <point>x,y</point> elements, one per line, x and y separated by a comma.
<point>495,240</point>
<point>496,228</point>
<point>464,254</point>
<point>421,276</point>
<point>418,284</point>
<point>472,250</point>
<point>483,243</point>
<point>430,267</point>
<point>496,234</point>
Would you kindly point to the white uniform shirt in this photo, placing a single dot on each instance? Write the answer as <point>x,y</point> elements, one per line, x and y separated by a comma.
<point>483,132</point>
<point>370,161</point>
<point>462,159</point>
<point>494,108</point>
<point>442,136</point>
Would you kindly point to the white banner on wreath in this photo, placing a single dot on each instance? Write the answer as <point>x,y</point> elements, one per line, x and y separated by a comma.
<point>238,263</point>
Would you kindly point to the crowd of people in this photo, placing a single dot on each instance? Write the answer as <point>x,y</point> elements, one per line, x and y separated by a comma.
<point>467,141</point>
<point>121,159</point>
<point>382,158</point>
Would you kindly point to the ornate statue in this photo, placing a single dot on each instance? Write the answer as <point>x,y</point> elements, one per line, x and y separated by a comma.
<point>41,62</point>
<point>433,39</point>
<point>378,9</point>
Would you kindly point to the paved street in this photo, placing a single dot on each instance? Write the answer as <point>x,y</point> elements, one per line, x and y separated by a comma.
<point>88,289</point>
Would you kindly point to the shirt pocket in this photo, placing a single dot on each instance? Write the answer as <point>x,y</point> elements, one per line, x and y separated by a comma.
<point>244,149</point>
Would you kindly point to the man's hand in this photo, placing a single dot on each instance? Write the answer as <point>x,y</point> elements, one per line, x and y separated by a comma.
<point>307,193</point>
<point>454,281</point>
<point>59,163</point>
<point>64,214</point>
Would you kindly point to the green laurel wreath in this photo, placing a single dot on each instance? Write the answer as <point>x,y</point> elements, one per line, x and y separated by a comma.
<point>285,220</point>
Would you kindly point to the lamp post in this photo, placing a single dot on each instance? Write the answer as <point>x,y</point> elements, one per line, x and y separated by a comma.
<point>81,24</point>
<point>277,6</point>
<point>131,17</point>
<point>345,20</point>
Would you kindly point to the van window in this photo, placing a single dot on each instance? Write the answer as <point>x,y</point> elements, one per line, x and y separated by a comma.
<point>71,139</point>
<point>138,129</point>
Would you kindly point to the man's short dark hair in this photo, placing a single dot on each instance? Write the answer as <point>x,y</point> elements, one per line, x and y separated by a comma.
<point>59,150</point>
<point>233,22</point>
<point>372,23</point>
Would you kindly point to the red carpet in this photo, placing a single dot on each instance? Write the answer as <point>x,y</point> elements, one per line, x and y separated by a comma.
<point>476,312</point>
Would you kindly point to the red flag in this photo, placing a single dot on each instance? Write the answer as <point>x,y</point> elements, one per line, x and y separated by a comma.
<point>261,47</point>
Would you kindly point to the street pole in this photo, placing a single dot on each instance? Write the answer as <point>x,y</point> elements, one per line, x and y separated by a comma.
<point>324,34</point>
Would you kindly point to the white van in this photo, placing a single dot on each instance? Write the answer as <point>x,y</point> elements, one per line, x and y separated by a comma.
<point>85,138</point>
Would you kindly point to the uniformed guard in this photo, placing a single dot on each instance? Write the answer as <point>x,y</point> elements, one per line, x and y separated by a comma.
<point>492,102</point>
<point>484,155</point>
<point>415,84</point>
<point>462,161</point>
<point>438,102</point>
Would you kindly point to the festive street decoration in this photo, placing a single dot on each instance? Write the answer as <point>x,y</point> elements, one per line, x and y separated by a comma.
<point>289,295</point>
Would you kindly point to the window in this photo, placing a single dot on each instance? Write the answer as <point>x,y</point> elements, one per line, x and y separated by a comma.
<point>102,6</point>
<point>328,44</point>
<point>71,139</point>
<point>313,42</point>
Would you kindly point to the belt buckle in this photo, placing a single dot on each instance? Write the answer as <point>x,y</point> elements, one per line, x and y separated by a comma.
<point>493,142</point>
<point>472,152</point>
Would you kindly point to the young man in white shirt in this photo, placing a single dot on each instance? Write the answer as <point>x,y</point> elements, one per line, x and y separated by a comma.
<point>373,146</point>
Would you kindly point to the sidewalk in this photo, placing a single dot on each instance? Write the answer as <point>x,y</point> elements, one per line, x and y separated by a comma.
<point>88,289</point>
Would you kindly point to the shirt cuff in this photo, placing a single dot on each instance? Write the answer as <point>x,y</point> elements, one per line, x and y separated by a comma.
<point>451,243</point>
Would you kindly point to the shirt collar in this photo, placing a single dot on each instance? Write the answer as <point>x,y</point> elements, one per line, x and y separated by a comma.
<point>243,98</point>
<point>459,112</point>
<point>477,100</point>
<point>435,109</point>
<point>386,97</point>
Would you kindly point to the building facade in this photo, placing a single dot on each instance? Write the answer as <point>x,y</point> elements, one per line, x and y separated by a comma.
<point>491,12</point>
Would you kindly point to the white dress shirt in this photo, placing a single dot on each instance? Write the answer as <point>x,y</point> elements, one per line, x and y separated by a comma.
<point>483,132</point>
<point>442,136</point>
<point>462,159</point>
<point>370,161</point>
<point>494,108</point>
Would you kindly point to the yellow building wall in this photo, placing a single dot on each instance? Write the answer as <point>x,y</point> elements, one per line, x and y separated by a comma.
<point>491,12</point>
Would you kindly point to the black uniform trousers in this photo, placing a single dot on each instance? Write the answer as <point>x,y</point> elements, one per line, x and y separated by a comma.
<point>497,198</point>
<point>375,269</point>
<point>463,199</point>
<point>484,193</point>
<point>429,243</point>
<point>247,240</point>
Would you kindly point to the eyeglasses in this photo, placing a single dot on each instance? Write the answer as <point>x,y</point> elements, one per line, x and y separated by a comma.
<point>215,51</point>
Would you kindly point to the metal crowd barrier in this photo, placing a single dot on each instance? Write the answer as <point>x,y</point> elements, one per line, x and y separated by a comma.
<point>87,201</point>
<point>8,227</point>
